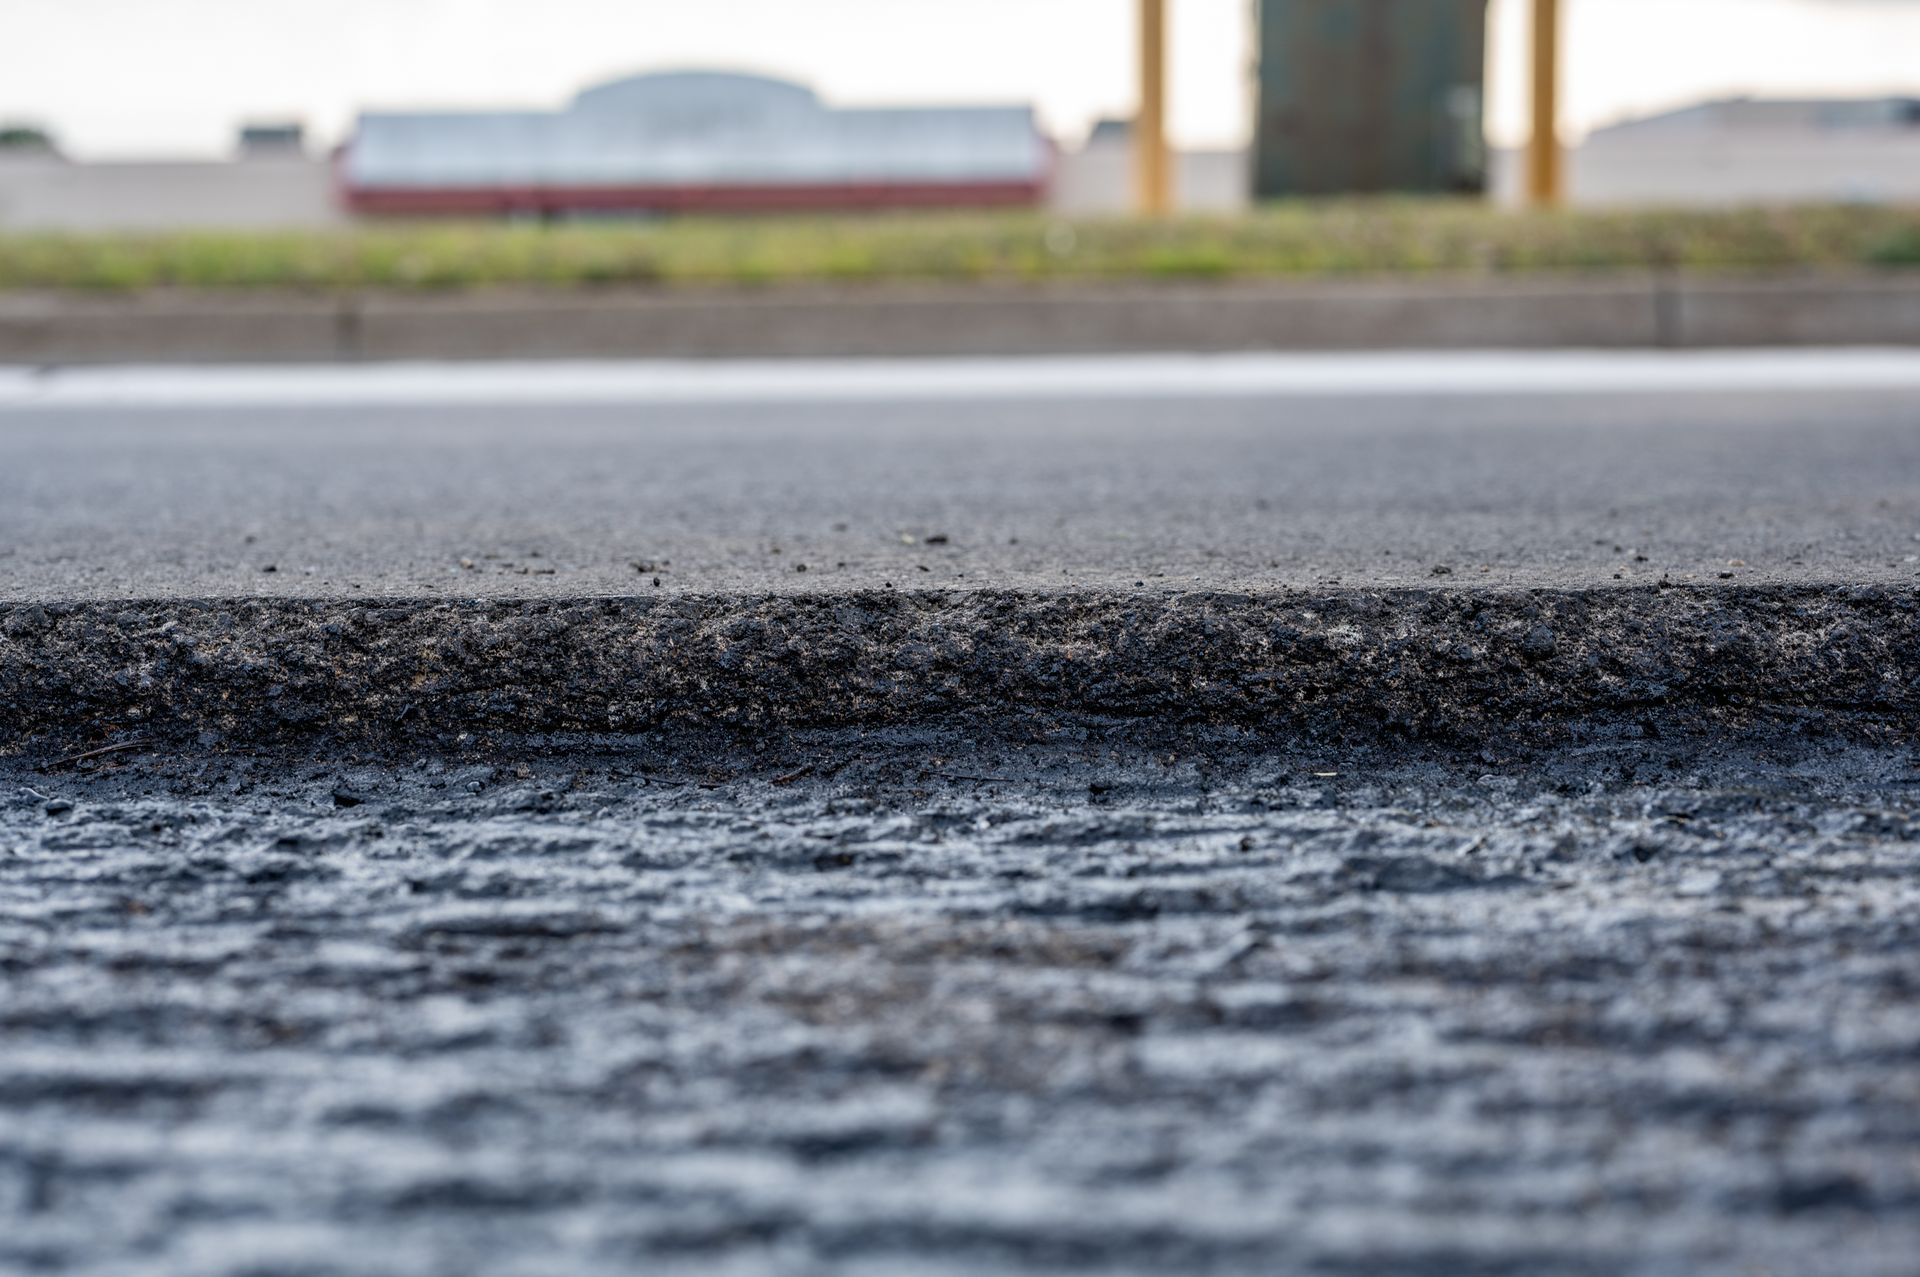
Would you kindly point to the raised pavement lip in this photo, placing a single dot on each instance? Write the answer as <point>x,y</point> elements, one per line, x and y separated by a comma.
<point>1448,665</point>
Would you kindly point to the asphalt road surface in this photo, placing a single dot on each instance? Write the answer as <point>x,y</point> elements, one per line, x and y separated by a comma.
<point>898,1000</point>
<point>1201,473</point>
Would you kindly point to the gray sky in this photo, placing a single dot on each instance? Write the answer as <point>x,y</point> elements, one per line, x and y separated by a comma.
<point>127,77</point>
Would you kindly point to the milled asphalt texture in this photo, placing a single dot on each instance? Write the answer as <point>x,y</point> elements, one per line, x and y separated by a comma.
<point>1469,835</point>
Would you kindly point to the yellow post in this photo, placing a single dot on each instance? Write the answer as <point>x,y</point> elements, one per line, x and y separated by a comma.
<point>1546,165</point>
<point>1153,172</point>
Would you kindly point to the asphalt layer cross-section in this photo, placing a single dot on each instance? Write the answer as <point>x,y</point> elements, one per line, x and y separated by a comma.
<point>1356,833</point>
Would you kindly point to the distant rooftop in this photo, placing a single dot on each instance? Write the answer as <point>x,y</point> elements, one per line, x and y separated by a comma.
<point>271,139</point>
<point>1798,114</point>
<point>29,140</point>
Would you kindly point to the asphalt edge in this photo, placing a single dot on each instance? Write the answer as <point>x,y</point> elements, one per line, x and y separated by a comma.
<point>1537,668</point>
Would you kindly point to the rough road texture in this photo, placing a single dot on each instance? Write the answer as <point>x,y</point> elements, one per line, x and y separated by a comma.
<point>845,1008</point>
<point>1450,665</point>
<point>1348,837</point>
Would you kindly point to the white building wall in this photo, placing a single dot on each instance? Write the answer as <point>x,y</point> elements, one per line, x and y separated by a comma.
<point>1758,167</point>
<point>1097,180</point>
<point>1687,160</point>
<point>1810,168</point>
<point>38,193</point>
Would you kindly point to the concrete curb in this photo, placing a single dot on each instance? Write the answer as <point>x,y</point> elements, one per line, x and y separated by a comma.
<point>1533,667</point>
<point>1611,311</point>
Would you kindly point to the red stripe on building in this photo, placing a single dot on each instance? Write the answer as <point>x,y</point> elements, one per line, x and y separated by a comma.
<point>546,201</point>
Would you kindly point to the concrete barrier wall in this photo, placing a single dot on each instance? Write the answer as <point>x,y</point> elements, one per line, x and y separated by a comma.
<point>1864,311</point>
<point>931,320</point>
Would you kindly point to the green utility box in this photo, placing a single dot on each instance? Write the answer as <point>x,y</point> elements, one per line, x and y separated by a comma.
<point>1364,96</point>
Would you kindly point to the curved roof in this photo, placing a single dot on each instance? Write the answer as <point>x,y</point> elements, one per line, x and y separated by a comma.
<point>673,99</point>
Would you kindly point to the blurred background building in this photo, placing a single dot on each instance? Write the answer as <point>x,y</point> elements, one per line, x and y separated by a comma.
<point>694,142</point>
<point>1345,97</point>
<point>1749,151</point>
<point>1096,177</point>
<point>271,181</point>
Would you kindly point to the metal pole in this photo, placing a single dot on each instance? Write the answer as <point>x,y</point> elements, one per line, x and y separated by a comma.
<point>1546,166</point>
<point>1153,174</point>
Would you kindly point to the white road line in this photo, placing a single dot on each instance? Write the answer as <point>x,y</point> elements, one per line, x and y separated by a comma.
<point>1094,377</point>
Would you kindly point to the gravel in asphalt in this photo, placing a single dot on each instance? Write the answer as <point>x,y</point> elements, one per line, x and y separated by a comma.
<point>924,1009</point>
